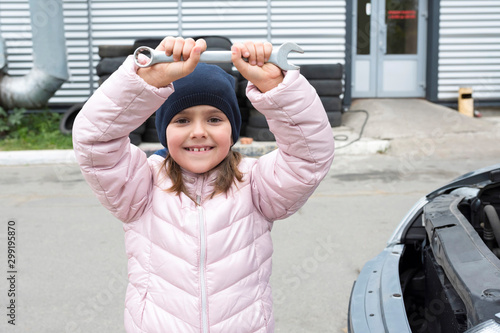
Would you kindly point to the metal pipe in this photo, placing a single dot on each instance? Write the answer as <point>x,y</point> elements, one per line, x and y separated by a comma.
<point>494,221</point>
<point>50,66</point>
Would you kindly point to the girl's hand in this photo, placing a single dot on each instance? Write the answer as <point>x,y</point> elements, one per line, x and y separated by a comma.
<point>162,74</point>
<point>264,76</point>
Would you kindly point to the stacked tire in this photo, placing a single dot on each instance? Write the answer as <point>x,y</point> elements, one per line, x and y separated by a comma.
<point>112,57</point>
<point>327,80</point>
<point>243,103</point>
<point>256,125</point>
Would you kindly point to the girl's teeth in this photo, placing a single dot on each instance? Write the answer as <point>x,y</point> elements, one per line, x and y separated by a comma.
<point>199,149</point>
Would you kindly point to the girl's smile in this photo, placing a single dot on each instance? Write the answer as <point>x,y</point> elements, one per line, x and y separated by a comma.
<point>199,138</point>
<point>199,149</point>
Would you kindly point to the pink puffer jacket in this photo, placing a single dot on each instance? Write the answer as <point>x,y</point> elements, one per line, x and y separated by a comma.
<point>206,267</point>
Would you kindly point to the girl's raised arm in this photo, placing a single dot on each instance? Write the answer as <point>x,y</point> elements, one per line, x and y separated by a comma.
<point>284,179</point>
<point>118,172</point>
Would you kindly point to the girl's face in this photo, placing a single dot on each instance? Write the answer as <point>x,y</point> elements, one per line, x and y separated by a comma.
<point>199,138</point>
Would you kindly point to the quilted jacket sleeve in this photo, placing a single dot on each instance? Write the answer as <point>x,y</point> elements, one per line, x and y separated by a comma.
<point>283,180</point>
<point>117,171</point>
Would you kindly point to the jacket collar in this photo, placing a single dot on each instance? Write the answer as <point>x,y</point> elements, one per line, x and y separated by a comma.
<point>199,186</point>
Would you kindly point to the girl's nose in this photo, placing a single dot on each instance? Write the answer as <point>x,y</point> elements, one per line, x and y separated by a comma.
<point>198,130</point>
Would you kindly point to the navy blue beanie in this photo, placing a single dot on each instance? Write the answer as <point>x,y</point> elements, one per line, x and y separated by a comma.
<point>206,85</point>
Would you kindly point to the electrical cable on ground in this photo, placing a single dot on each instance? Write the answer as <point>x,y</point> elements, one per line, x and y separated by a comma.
<point>343,137</point>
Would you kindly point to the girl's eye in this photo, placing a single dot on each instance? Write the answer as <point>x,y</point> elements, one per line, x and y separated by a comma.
<point>181,121</point>
<point>214,120</point>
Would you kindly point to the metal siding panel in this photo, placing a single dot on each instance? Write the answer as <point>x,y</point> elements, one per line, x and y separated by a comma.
<point>16,31</point>
<point>318,26</point>
<point>77,88</point>
<point>237,20</point>
<point>469,49</point>
<point>121,22</point>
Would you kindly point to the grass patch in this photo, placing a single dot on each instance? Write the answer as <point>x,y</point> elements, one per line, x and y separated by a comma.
<point>31,131</point>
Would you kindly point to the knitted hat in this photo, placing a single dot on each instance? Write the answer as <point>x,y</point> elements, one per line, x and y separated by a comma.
<point>206,85</point>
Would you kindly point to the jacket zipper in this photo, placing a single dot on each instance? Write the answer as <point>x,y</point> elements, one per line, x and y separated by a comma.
<point>203,254</point>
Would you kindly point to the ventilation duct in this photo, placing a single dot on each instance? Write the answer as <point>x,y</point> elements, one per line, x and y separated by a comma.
<point>49,69</point>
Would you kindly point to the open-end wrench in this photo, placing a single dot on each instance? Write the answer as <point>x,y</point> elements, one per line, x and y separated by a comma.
<point>279,56</point>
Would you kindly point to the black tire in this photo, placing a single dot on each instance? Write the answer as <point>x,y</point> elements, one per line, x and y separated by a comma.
<point>112,51</point>
<point>259,134</point>
<point>245,114</point>
<point>257,119</point>
<point>135,139</point>
<point>331,103</point>
<point>322,71</point>
<point>151,122</point>
<point>103,78</point>
<point>327,87</point>
<point>66,123</point>
<point>151,42</point>
<point>249,104</point>
<point>243,101</point>
<point>236,85</point>
<point>242,82</point>
<point>150,135</point>
<point>243,105</point>
<point>335,118</point>
<point>243,130</point>
<point>220,42</point>
<point>242,88</point>
<point>140,130</point>
<point>109,65</point>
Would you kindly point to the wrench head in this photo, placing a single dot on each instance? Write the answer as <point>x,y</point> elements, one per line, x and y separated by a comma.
<point>143,56</point>
<point>282,55</point>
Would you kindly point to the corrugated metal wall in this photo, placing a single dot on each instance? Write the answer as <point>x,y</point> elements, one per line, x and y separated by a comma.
<point>469,48</point>
<point>318,26</point>
<point>469,42</point>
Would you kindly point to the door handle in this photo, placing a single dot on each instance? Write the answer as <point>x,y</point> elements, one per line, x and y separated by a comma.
<point>383,39</point>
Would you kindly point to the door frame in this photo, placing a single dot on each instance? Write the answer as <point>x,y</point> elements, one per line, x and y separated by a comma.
<point>368,69</point>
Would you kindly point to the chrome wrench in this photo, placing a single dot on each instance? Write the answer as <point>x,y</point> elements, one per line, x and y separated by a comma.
<point>279,56</point>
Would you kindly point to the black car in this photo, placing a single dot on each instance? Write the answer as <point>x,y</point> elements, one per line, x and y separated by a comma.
<point>440,271</point>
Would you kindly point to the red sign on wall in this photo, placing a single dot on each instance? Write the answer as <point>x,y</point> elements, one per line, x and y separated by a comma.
<point>401,14</point>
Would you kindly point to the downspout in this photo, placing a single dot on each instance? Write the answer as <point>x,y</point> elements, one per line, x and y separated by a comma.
<point>49,69</point>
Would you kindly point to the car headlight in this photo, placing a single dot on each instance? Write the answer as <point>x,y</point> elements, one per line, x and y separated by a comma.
<point>489,326</point>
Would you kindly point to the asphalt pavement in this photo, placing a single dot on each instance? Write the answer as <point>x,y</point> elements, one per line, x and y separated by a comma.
<point>70,263</point>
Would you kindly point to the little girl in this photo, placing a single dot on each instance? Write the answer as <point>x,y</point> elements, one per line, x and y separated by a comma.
<point>198,216</point>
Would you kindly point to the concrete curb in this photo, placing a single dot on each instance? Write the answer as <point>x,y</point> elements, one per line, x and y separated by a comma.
<point>256,149</point>
<point>31,157</point>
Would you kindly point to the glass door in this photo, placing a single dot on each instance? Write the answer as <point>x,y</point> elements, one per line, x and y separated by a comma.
<point>389,57</point>
<point>402,26</point>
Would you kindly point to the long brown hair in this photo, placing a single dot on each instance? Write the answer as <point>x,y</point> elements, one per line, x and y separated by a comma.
<point>228,174</point>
